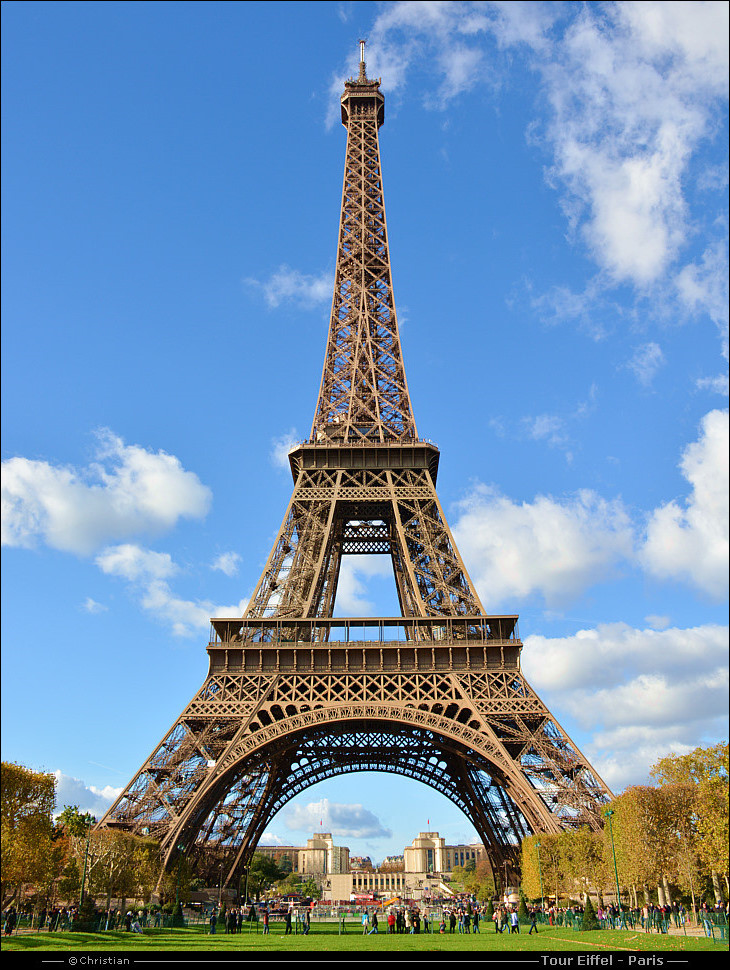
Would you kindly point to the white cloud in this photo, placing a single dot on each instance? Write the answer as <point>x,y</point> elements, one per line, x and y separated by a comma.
<point>127,491</point>
<point>269,838</point>
<point>703,287</point>
<point>557,548</point>
<point>281,446</point>
<point>716,385</point>
<point>91,606</point>
<point>88,798</point>
<point>547,427</point>
<point>554,548</point>
<point>689,541</point>
<point>667,687</point>
<point>632,90</point>
<point>646,362</point>
<point>135,563</point>
<point>352,590</point>
<point>287,285</point>
<point>351,821</point>
<point>147,573</point>
<point>227,563</point>
<point>658,622</point>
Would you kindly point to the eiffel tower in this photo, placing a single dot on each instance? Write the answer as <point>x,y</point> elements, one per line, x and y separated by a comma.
<point>292,696</point>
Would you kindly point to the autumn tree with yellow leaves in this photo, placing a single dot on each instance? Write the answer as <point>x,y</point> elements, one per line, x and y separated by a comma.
<point>27,802</point>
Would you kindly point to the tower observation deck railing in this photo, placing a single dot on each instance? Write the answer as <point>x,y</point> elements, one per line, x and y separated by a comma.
<point>278,631</point>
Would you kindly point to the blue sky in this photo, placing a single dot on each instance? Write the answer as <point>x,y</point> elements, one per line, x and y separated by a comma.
<point>556,188</point>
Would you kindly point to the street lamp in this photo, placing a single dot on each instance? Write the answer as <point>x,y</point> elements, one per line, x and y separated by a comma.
<point>180,849</point>
<point>609,815</point>
<point>539,869</point>
<point>86,859</point>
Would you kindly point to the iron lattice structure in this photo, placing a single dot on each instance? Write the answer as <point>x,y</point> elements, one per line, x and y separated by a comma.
<point>294,696</point>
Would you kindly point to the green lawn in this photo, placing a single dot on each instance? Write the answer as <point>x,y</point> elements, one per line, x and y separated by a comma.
<point>324,937</point>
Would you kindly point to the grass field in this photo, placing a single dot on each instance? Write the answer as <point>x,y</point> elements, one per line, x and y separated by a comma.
<point>324,937</point>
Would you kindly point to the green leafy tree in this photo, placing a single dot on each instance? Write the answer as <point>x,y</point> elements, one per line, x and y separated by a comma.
<point>73,822</point>
<point>262,873</point>
<point>311,889</point>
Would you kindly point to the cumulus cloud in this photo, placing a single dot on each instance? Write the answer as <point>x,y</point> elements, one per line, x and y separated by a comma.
<point>666,687</point>
<point>88,798</point>
<point>556,548</point>
<point>287,285</point>
<point>688,540</point>
<point>351,821</point>
<point>126,491</point>
<point>148,573</point>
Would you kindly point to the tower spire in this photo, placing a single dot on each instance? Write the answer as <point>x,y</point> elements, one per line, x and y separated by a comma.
<point>363,394</point>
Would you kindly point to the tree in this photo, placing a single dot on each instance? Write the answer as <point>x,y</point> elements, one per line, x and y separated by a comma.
<point>27,800</point>
<point>262,872</point>
<point>582,859</point>
<point>706,771</point>
<point>590,920</point>
<point>74,822</point>
<point>117,864</point>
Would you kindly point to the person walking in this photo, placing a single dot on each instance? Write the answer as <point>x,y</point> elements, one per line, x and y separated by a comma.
<point>265,918</point>
<point>374,924</point>
<point>533,921</point>
<point>213,921</point>
<point>365,923</point>
<point>515,920</point>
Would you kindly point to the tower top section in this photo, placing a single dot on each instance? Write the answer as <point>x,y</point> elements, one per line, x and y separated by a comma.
<point>362,96</point>
<point>363,397</point>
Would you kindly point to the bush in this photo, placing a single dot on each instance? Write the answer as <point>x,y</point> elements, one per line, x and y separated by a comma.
<point>177,916</point>
<point>87,919</point>
<point>590,920</point>
<point>522,913</point>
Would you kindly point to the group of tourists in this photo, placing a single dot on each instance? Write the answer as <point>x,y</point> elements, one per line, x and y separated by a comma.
<point>507,918</point>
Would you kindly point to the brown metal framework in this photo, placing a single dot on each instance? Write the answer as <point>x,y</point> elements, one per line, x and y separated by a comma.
<point>294,696</point>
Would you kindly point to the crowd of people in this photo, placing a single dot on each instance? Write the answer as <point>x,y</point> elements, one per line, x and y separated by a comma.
<point>459,916</point>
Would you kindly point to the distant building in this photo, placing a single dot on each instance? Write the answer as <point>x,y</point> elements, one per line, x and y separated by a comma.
<point>422,870</point>
<point>322,857</point>
<point>429,853</point>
